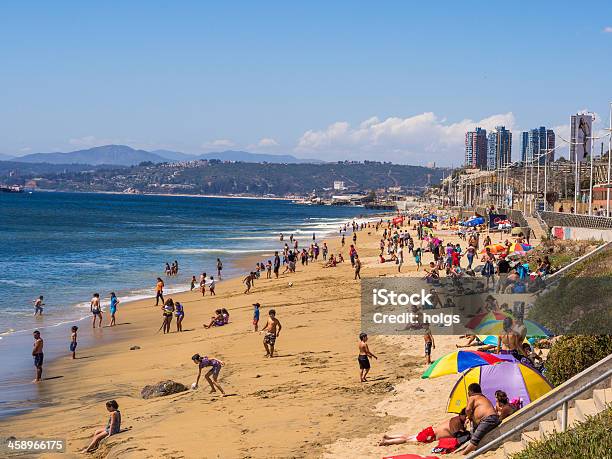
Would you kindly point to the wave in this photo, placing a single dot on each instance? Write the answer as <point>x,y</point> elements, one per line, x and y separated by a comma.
<point>16,283</point>
<point>241,251</point>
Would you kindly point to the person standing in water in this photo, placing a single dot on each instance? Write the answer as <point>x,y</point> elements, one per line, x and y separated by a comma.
<point>219,268</point>
<point>114,301</point>
<point>272,330</point>
<point>37,353</point>
<point>96,309</point>
<point>38,305</point>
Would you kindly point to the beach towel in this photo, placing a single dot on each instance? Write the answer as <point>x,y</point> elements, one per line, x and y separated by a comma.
<point>410,456</point>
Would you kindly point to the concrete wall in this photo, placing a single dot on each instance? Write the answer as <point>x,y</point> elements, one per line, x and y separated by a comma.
<point>576,220</point>
<point>582,234</point>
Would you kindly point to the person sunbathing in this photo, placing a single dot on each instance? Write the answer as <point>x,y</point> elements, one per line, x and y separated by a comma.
<point>446,429</point>
<point>473,340</point>
<point>331,263</point>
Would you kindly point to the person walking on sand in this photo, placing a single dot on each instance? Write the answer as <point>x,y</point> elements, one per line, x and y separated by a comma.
<point>211,286</point>
<point>429,343</point>
<point>357,263</point>
<point>272,330</point>
<point>159,291</point>
<point>114,301</point>
<point>277,264</point>
<point>37,353</point>
<point>256,307</point>
<point>219,268</point>
<point>96,309</point>
<point>113,426</point>
<point>38,305</point>
<point>73,341</point>
<point>215,365</point>
<point>179,312</point>
<point>364,357</point>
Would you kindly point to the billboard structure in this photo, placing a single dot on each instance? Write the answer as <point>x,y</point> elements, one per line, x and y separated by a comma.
<point>580,146</point>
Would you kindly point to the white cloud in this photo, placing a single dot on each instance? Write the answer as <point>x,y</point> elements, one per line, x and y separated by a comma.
<point>267,142</point>
<point>222,143</point>
<point>607,29</point>
<point>417,139</point>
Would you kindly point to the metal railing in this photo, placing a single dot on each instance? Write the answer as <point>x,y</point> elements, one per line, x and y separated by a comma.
<point>563,402</point>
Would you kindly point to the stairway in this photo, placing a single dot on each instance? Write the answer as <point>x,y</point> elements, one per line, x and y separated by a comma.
<point>582,408</point>
<point>538,232</point>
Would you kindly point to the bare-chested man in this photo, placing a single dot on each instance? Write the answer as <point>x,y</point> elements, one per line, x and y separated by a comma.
<point>96,309</point>
<point>482,414</point>
<point>272,330</point>
<point>446,429</point>
<point>364,357</point>
<point>37,353</point>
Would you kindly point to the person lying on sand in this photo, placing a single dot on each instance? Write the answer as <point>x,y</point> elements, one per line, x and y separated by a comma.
<point>446,429</point>
<point>473,340</point>
<point>112,427</point>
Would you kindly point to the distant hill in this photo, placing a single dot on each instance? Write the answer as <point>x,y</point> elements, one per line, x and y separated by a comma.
<point>122,155</point>
<point>116,155</point>
<point>246,157</point>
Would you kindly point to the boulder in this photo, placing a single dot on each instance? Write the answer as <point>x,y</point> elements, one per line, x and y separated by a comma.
<point>162,389</point>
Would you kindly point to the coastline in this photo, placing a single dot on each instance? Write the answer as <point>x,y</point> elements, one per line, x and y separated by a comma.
<point>310,392</point>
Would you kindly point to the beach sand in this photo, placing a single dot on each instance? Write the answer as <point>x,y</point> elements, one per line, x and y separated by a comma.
<point>306,402</point>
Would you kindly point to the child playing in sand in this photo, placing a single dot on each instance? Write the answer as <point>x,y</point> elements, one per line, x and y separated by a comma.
<point>248,282</point>
<point>216,365</point>
<point>364,357</point>
<point>112,427</point>
<point>256,315</point>
<point>217,320</point>
<point>429,343</point>
<point>73,341</point>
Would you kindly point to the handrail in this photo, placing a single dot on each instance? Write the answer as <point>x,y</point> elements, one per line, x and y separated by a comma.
<point>499,440</point>
<point>554,276</point>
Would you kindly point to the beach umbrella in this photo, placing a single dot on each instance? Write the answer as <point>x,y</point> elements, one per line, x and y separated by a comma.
<point>427,230</point>
<point>495,248</point>
<point>519,248</point>
<point>515,379</point>
<point>458,362</point>
<point>496,327</point>
<point>486,317</point>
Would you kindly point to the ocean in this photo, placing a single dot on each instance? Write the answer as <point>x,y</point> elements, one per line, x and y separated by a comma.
<point>66,246</point>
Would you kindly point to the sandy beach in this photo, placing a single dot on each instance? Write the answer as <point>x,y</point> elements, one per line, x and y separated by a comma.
<point>306,402</point>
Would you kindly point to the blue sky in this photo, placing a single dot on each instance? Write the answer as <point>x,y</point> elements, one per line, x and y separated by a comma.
<point>334,80</point>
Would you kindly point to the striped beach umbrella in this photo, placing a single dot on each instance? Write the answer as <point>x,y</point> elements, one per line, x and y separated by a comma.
<point>517,248</point>
<point>492,339</point>
<point>458,362</point>
<point>486,317</point>
<point>515,379</point>
<point>496,327</point>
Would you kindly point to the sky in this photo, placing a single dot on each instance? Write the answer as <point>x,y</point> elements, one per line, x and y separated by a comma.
<point>397,81</point>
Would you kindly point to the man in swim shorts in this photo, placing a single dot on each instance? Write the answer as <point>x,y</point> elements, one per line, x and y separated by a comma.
<point>482,414</point>
<point>364,357</point>
<point>272,330</point>
<point>37,353</point>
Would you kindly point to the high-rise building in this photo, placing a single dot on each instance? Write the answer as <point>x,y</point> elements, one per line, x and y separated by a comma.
<point>499,148</point>
<point>476,148</point>
<point>536,142</point>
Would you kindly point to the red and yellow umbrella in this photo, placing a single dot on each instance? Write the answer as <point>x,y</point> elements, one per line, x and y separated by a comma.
<point>458,362</point>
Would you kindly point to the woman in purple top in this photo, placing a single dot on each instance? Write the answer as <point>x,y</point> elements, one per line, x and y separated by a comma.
<point>215,365</point>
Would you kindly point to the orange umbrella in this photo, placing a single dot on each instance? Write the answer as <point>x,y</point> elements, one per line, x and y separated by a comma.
<point>495,248</point>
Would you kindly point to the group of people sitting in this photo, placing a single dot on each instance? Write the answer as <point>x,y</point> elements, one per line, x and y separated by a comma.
<point>479,414</point>
<point>220,318</point>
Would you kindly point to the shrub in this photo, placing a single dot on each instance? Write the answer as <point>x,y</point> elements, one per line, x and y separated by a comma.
<point>572,354</point>
<point>590,439</point>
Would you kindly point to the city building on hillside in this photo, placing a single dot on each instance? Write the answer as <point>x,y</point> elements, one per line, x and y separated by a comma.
<point>339,185</point>
<point>536,142</point>
<point>476,148</point>
<point>499,148</point>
